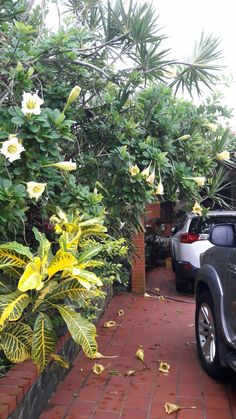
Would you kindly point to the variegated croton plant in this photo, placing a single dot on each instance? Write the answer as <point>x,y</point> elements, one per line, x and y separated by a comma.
<point>35,286</point>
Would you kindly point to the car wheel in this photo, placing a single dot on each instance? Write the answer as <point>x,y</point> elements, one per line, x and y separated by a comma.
<point>207,337</point>
<point>180,285</point>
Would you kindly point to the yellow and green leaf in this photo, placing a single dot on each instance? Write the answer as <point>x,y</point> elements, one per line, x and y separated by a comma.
<point>44,247</point>
<point>18,248</point>
<point>86,275</point>
<point>16,341</point>
<point>44,341</point>
<point>82,331</point>
<point>61,261</point>
<point>10,261</point>
<point>12,306</point>
<point>71,289</point>
<point>31,278</point>
<point>42,296</point>
<point>60,360</point>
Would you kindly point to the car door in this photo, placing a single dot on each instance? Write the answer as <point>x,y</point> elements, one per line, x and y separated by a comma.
<point>229,290</point>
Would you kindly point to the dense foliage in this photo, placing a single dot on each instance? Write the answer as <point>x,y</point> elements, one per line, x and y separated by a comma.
<point>81,131</point>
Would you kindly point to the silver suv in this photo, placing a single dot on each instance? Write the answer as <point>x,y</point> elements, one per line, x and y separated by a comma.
<point>189,243</point>
<point>215,289</point>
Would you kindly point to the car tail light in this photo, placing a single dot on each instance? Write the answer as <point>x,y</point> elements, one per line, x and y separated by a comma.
<point>190,238</point>
<point>186,266</point>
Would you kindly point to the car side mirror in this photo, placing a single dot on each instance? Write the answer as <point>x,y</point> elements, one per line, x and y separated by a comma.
<point>223,235</point>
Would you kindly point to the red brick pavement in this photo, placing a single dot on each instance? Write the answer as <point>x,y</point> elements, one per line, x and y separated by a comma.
<point>166,332</point>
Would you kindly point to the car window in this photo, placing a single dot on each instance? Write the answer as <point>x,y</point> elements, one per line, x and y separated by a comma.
<point>201,225</point>
<point>182,222</point>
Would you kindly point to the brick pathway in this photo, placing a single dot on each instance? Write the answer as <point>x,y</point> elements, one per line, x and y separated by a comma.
<point>165,329</point>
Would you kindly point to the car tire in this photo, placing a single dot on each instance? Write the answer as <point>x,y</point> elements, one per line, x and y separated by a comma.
<point>208,337</point>
<point>180,285</point>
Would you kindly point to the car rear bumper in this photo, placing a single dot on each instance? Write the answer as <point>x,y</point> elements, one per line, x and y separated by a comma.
<point>185,271</point>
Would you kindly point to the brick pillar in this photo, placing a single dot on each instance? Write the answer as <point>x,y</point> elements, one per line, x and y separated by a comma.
<point>138,267</point>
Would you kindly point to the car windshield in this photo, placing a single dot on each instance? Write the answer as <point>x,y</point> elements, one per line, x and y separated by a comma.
<point>201,225</point>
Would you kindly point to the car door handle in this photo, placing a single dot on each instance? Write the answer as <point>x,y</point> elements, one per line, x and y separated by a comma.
<point>232,268</point>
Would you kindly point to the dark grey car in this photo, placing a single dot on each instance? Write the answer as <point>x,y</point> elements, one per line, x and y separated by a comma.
<point>215,291</point>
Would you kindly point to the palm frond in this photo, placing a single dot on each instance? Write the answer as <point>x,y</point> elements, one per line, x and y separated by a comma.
<point>200,69</point>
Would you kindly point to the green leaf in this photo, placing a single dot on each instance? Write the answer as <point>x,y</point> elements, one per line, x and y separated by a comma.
<point>5,286</point>
<point>15,341</point>
<point>17,120</point>
<point>82,331</point>
<point>89,253</point>
<point>44,341</point>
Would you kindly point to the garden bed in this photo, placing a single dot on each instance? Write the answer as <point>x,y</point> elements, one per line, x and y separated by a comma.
<point>24,392</point>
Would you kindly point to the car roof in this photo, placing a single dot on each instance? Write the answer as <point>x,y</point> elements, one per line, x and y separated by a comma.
<point>213,213</point>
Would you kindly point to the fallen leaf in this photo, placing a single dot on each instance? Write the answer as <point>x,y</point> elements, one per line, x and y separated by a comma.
<point>150,296</point>
<point>171,407</point>
<point>164,367</point>
<point>110,323</point>
<point>97,355</point>
<point>121,312</point>
<point>129,373</point>
<point>161,297</point>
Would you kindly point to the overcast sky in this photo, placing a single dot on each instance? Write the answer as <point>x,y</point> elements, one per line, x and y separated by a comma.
<point>183,22</point>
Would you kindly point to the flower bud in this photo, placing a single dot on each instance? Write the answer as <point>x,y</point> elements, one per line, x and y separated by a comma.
<point>73,95</point>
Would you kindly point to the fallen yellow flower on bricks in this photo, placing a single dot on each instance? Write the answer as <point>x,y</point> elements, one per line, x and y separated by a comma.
<point>99,368</point>
<point>140,354</point>
<point>98,355</point>
<point>164,367</point>
<point>121,312</point>
<point>110,323</point>
<point>171,408</point>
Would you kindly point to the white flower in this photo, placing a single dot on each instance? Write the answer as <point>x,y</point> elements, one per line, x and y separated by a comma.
<point>122,224</point>
<point>134,170</point>
<point>146,172</point>
<point>211,127</point>
<point>11,149</point>
<point>67,166</point>
<point>31,103</point>
<point>35,189</point>
<point>199,180</point>
<point>150,179</point>
<point>224,155</point>
<point>160,189</point>
<point>197,209</point>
